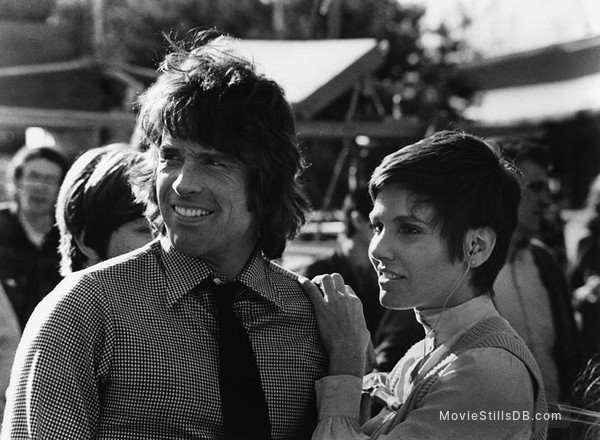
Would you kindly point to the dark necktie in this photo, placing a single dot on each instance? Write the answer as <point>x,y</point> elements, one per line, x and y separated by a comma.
<point>245,413</point>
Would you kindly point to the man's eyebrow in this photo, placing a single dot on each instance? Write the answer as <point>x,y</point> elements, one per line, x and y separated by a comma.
<point>216,154</point>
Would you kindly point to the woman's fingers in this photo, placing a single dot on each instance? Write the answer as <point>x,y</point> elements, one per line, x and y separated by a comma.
<point>314,293</point>
<point>341,323</point>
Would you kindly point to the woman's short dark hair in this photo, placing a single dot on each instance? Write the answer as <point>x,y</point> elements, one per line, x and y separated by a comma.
<point>25,154</point>
<point>96,199</point>
<point>209,94</point>
<point>467,183</point>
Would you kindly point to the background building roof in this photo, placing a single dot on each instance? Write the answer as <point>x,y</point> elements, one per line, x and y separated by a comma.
<point>550,83</point>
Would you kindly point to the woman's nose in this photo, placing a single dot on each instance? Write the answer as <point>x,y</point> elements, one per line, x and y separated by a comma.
<point>379,248</point>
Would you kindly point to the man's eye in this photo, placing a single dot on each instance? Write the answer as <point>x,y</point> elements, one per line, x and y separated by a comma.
<point>167,156</point>
<point>214,162</point>
<point>409,230</point>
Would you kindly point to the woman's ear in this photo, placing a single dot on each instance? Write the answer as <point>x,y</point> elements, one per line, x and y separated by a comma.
<point>481,242</point>
<point>91,255</point>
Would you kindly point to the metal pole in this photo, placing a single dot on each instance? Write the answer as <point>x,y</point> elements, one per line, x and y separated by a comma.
<point>98,27</point>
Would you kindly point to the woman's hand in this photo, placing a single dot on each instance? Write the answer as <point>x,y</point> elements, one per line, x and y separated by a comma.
<point>341,323</point>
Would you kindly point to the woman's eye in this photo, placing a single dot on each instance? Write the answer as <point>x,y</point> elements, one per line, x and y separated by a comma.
<point>376,228</point>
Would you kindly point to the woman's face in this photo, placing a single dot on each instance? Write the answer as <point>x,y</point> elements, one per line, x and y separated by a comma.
<point>129,236</point>
<point>411,258</point>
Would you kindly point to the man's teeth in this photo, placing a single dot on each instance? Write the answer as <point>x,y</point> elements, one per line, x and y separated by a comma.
<point>187,212</point>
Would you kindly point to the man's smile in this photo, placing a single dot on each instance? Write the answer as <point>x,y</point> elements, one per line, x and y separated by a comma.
<point>191,212</point>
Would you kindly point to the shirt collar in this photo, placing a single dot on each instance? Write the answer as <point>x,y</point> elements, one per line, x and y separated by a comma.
<point>452,321</point>
<point>184,272</point>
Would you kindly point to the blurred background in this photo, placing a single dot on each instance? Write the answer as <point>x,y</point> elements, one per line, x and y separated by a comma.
<point>364,76</point>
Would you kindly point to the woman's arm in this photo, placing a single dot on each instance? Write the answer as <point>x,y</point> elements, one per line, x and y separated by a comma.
<point>344,334</point>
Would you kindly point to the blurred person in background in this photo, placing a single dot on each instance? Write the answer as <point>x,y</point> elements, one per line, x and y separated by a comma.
<point>29,261</point>
<point>585,273</point>
<point>532,292</point>
<point>96,212</point>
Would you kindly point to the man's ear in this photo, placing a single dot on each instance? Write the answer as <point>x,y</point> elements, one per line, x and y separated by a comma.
<point>91,255</point>
<point>480,244</point>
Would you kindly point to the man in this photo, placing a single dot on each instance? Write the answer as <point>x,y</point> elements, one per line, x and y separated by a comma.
<point>148,345</point>
<point>531,289</point>
<point>28,239</point>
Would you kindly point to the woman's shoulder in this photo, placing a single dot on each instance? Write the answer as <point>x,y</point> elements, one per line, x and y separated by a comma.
<point>491,371</point>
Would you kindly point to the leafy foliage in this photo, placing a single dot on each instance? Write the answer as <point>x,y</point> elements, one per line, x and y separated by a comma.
<point>415,80</point>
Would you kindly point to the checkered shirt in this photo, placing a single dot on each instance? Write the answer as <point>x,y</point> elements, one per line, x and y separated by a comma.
<point>128,350</point>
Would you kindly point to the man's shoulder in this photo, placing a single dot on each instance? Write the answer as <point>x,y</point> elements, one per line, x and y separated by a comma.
<point>280,273</point>
<point>137,262</point>
<point>539,249</point>
<point>110,282</point>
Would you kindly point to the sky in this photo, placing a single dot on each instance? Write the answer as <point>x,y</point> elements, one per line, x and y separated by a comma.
<point>507,26</point>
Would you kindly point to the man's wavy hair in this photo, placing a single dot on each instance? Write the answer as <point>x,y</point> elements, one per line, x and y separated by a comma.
<point>210,94</point>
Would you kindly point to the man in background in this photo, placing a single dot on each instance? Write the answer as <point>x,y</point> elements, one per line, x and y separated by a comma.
<point>29,261</point>
<point>531,289</point>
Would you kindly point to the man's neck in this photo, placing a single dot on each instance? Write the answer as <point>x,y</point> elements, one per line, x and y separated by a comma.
<point>234,266</point>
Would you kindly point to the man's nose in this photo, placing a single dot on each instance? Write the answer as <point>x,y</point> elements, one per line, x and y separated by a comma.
<point>187,182</point>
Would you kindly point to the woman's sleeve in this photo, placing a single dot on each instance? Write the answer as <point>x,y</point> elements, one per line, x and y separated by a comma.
<point>338,405</point>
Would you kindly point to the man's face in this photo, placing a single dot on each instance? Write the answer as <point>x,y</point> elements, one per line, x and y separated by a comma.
<point>203,199</point>
<point>411,258</point>
<point>37,188</point>
<point>535,197</point>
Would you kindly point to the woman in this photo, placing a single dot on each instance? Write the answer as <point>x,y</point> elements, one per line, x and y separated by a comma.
<point>444,212</point>
<point>96,211</point>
